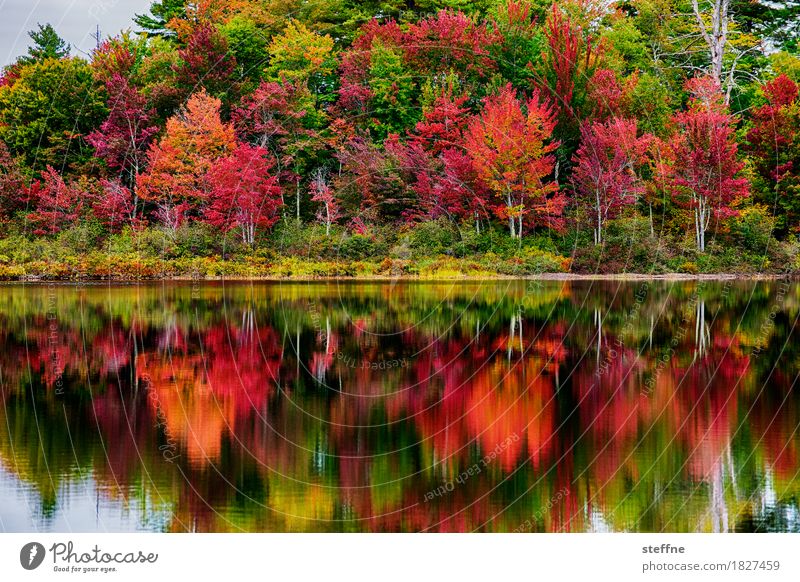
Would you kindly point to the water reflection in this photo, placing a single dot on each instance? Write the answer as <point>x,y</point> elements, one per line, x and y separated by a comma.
<point>488,406</point>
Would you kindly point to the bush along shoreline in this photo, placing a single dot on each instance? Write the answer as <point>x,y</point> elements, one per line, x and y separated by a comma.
<point>436,250</point>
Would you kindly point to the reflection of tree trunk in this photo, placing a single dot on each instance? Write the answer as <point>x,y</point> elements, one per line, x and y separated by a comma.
<point>598,320</point>
<point>719,511</point>
<point>511,335</point>
<point>702,333</point>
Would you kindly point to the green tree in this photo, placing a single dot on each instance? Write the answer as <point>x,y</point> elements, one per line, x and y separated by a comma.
<point>161,12</point>
<point>46,114</point>
<point>46,45</point>
<point>248,43</point>
<point>393,92</point>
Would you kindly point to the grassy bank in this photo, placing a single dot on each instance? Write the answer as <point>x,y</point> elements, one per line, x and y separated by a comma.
<point>436,250</point>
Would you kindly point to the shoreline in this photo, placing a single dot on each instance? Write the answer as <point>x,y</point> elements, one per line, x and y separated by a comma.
<point>622,277</point>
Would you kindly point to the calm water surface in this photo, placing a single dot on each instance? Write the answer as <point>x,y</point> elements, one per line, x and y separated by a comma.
<point>495,406</point>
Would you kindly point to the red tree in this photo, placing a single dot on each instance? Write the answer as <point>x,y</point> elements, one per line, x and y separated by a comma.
<point>12,184</point>
<point>569,61</point>
<point>322,193</point>
<point>510,146</point>
<point>704,174</point>
<point>206,62</point>
<point>605,174</point>
<point>57,204</point>
<point>450,42</point>
<point>774,143</point>
<point>115,206</point>
<point>243,192</point>
<point>124,137</point>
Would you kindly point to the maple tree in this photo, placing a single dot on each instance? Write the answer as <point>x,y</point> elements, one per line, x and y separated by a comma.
<point>511,147</point>
<point>206,62</point>
<point>12,183</point>
<point>124,138</point>
<point>178,162</point>
<point>606,169</point>
<point>705,170</point>
<point>322,193</point>
<point>775,147</point>
<point>243,193</point>
<point>57,203</point>
<point>115,206</point>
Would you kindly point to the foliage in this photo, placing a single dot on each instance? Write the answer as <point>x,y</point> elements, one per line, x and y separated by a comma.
<point>243,193</point>
<point>46,114</point>
<point>396,131</point>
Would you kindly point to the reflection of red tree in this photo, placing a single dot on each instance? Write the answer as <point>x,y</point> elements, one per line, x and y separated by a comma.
<point>509,402</point>
<point>111,350</point>
<point>611,408</point>
<point>708,404</point>
<point>242,365</point>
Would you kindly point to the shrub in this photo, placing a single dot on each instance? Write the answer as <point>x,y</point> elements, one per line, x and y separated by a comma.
<point>753,228</point>
<point>357,247</point>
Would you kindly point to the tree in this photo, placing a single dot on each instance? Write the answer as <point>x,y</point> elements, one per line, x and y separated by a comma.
<point>451,43</point>
<point>704,174</point>
<point>715,22</point>
<point>47,112</point>
<point>568,64</point>
<point>12,184</point>
<point>774,144</point>
<point>605,169</point>
<point>161,12</point>
<point>275,117</point>
<point>510,145</point>
<point>115,206</point>
<point>298,54</point>
<point>244,193</point>
<point>322,193</point>
<point>206,62</point>
<point>392,88</point>
<point>123,139</point>
<point>248,43</point>
<point>443,123</point>
<point>178,163</point>
<point>444,178</point>
<point>46,45</point>
<point>57,204</point>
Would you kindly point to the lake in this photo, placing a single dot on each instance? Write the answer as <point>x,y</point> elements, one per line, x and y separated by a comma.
<point>497,406</point>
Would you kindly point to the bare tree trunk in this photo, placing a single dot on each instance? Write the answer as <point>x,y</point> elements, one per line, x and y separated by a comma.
<point>715,37</point>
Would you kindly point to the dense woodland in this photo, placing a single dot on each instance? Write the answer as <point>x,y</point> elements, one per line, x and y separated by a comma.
<point>334,137</point>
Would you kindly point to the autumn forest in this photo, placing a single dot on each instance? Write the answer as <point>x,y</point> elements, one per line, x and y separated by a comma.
<point>281,138</point>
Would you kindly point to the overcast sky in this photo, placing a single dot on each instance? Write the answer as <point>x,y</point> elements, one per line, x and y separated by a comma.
<point>74,20</point>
